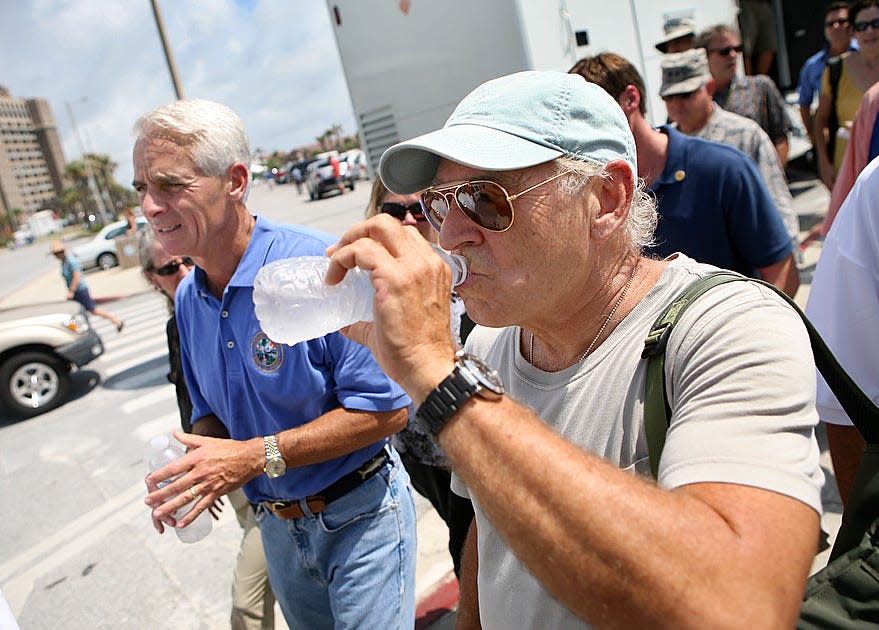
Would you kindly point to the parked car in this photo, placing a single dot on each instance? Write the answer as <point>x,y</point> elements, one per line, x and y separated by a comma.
<point>39,344</point>
<point>320,178</point>
<point>101,250</point>
<point>357,161</point>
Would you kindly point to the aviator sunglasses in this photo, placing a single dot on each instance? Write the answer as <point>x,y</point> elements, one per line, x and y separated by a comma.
<point>399,210</point>
<point>486,203</point>
<point>171,268</point>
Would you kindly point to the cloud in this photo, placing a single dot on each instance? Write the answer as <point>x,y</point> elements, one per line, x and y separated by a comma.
<point>275,63</point>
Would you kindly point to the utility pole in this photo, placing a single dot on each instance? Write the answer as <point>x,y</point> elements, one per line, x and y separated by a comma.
<point>93,187</point>
<point>169,56</point>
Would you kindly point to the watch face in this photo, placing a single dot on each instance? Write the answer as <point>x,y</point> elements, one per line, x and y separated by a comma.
<point>275,468</point>
<point>487,377</point>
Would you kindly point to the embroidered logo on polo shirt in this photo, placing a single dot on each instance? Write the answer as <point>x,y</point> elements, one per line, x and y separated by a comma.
<point>267,355</point>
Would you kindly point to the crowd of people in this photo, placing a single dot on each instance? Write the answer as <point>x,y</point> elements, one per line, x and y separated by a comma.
<point>515,403</point>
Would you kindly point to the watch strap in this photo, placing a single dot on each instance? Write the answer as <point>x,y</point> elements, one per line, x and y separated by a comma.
<point>444,401</point>
<point>270,442</point>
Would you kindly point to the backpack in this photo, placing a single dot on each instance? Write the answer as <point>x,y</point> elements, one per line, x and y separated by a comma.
<point>844,594</point>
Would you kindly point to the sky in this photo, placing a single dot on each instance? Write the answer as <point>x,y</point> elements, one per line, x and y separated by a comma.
<point>274,62</point>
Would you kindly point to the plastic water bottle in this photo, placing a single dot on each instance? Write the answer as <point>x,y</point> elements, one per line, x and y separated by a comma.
<point>294,304</point>
<point>162,452</point>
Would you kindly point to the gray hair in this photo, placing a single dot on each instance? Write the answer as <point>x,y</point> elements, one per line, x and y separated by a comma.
<point>704,38</point>
<point>213,133</point>
<point>641,222</point>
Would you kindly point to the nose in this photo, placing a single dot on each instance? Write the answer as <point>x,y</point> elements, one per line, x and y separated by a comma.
<point>457,230</point>
<point>409,219</point>
<point>150,205</point>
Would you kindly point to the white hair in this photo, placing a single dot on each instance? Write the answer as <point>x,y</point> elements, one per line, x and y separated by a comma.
<point>641,221</point>
<point>213,133</point>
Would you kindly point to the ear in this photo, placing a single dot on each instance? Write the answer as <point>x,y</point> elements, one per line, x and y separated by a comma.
<point>630,100</point>
<point>614,193</point>
<point>238,179</point>
<point>711,86</point>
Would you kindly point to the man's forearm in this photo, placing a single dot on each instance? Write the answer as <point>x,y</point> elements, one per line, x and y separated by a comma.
<point>338,433</point>
<point>620,552</point>
<point>784,275</point>
<point>468,601</point>
<point>782,148</point>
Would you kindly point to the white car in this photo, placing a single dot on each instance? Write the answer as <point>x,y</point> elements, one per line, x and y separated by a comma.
<point>39,345</point>
<point>101,250</point>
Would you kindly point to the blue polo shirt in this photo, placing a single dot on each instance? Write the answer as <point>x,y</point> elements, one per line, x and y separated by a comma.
<point>810,76</point>
<point>714,208</point>
<point>257,387</point>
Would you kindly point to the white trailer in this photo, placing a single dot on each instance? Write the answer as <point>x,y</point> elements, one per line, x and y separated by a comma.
<point>409,62</point>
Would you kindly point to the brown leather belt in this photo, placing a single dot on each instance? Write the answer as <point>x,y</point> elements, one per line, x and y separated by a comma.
<point>316,503</point>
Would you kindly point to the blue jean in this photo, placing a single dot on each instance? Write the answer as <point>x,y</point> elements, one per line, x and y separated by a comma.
<point>353,564</point>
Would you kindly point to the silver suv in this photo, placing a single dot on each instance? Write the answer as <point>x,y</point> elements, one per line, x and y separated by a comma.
<point>39,344</point>
<point>321,180</point>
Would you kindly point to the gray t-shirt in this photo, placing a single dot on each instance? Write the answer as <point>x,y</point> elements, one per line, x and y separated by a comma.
<point>741,383</point>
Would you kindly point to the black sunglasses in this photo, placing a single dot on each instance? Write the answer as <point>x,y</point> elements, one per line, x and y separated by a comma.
<point>399,210</point>
<point>727,51</point>
<point>171,268</point>
<point>837,22</point>
<point>863,26</point>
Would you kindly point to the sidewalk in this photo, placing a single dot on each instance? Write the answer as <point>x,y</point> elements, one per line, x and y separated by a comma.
<point>104,286</point>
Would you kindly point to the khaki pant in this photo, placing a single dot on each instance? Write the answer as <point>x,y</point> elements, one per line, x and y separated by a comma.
<point>253,603</point>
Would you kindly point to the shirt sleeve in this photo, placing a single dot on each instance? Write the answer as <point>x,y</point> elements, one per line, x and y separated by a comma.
<point>753,220</point>
<point>359,383</point>
<point>779,124</point>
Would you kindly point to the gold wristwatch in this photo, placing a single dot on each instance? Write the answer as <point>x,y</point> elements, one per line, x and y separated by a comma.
<point>275,464</point>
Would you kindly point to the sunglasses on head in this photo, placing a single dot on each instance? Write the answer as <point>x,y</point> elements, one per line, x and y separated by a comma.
<point>836,22</point>
<point>399,210</point>
<point>863,26</point>
<point>486,203</point>
<point>171,268</point>
<point>727,50</point>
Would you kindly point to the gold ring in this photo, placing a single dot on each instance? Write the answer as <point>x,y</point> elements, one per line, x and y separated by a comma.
<point>192,492</point>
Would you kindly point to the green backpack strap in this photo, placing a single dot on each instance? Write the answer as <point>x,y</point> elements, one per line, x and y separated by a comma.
<point>857,405</point>
<point>656,409</point>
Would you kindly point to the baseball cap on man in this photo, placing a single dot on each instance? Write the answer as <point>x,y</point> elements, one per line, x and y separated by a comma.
<point>675,28</point>
<point>684,72</point>
<point>513,122</point>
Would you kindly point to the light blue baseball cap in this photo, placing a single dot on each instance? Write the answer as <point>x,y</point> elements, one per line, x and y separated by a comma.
<point>513,122</point>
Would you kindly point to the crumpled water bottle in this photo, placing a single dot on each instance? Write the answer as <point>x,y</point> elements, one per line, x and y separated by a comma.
<point>162,452</point>
<point>293,302</point>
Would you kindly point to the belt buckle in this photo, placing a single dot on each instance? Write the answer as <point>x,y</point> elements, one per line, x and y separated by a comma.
<point>372,465</point>
<point>278,505</point>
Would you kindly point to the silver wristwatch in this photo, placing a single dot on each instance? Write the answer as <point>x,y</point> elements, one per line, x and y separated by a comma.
<point>471,377</point>
<point>275,464</point>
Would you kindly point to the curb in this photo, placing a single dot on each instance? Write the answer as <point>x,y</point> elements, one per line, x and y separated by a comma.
<point>439,604</point>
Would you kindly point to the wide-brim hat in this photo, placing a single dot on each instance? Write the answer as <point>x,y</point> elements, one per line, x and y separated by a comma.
<point>514,122</point>
<point>675,28</point>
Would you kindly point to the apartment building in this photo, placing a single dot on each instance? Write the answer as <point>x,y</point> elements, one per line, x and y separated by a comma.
<point>31,159</point>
